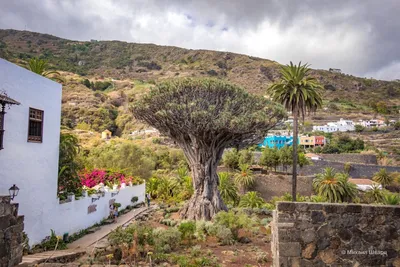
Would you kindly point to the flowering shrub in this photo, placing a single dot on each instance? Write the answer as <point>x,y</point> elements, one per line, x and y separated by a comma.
<point>96,176</point>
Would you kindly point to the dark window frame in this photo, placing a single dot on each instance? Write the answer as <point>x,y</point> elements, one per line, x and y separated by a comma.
<point>35,138</point>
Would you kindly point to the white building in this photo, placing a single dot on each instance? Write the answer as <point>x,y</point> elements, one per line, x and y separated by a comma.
<point>372,123</point>
<point>29,158</point>
<point>339,126</point>
<point>31,143</point>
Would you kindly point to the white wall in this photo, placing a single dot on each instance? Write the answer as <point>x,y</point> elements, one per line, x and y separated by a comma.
<point>33,167</point>
<point>73,216</point>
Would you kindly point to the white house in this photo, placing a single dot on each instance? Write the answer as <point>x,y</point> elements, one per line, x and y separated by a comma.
<point>339,126</point>
<point>31,143</point>
<point>29,151</point>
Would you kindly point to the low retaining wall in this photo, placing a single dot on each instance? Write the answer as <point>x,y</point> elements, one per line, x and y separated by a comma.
<point>351,157</point>
<point>326,234</point>
<point>356,171</point>
<point>80,214</point>
<point>11,228</point>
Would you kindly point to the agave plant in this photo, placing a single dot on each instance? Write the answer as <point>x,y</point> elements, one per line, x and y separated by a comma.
<point>251,200</point>
<point>334,187</point>
<point>244,178</point>
<point>383,177</point>
<point>227,189</point>
<point>391,199</point>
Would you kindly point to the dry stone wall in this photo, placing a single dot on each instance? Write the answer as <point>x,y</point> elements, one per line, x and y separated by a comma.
<point>326,234</point>
<point>11,229</point>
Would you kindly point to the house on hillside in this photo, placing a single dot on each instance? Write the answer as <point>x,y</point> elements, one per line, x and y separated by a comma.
<point>312,141</point>
<point>277,141</point>
<point>30,137</point>
<point>364,184</point>
<point>335,70</point>
<point>371,123</point>
<point>339,126</point>
<point>106,134</point>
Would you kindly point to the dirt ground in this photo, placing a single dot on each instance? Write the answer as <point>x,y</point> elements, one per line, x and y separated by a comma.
<point>255,253</point>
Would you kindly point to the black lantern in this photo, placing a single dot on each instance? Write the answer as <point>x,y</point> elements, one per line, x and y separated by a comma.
<point>13,191</point>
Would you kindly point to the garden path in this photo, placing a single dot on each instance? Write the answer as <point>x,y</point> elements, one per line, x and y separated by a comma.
<point>84,244</point>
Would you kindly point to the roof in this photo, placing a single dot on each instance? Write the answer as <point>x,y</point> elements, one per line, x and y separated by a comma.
<point>311,155</point>
<point>362,181</point>
<point>106,131</point>
<point>6,100</point>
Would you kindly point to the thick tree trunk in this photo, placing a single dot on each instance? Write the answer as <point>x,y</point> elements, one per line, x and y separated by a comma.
<point>294,172</point>
<point>206,200</point>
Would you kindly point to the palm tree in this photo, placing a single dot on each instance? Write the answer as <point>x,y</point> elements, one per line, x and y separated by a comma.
<point>299,94</point>
<point>227,189</point>
<point>39,66</point>
<point>383,177</point>
<point>244,178</point>
<point>335,187</point>
<point>251,200</point>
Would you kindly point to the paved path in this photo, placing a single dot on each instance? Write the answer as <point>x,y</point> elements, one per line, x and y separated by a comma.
<point>78,247</point>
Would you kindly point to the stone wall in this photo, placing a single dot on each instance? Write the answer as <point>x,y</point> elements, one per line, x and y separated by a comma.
<point>356,171</point>
<point>11,228</point>
<point>351,157</point>
<point>326,234</point>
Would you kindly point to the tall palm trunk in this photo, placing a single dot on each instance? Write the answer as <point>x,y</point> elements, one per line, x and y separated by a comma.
<point>294,172</point>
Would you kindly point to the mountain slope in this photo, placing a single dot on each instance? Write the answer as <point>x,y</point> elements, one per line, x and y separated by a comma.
<point>131,67</point>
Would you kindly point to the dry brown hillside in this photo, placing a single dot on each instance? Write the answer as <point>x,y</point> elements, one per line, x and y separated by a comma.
<point>130,68</point>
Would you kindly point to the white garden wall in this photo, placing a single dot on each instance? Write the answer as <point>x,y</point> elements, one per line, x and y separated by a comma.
<point>73,216</point>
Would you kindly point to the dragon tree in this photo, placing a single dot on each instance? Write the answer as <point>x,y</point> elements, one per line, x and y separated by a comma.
<point>205,116</point>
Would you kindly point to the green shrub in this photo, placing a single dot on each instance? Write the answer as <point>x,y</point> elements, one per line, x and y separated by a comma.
<point>266,221</point>
<point>251,200</point>
<point>134,199</point>
<point>235,222</point>
<point>187,228</point>
<point>166,240</point>
<point>224,235</point>
<point>201,230</point>
<point>51,242</point>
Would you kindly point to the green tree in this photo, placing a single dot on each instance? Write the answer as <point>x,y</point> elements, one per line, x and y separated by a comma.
<point>374,195</point>
<point>40,66</point>
<point>397,125</point>
<point>285,157</point>
<point>68,163</point>
<point>230,158</point>
<point>251,200</point>
<point>299,93</point>
<point>270,157</point>
<point>383,177</point>
<point>227,188</point>
<point>359,128</point>
<point>205,116</point>
<point>335,187</point>
<point>246,156</point>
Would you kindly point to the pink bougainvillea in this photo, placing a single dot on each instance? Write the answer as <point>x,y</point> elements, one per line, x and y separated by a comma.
<point>97,176</point>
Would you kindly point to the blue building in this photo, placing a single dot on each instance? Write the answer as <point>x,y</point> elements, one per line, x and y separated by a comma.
<point>277,141</point>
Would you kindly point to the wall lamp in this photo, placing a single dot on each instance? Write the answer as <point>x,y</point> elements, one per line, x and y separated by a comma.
<point>13,191</point>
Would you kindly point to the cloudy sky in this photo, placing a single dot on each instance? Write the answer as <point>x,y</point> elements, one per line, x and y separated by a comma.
<point>361,37</point>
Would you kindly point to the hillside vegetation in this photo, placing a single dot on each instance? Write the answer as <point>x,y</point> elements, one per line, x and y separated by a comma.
<point>119,72</point>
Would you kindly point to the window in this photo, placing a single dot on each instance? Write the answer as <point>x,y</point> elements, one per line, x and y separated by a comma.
<point>35,131</point>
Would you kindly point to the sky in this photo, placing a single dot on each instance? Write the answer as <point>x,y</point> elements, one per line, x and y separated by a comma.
<point>360,37</point>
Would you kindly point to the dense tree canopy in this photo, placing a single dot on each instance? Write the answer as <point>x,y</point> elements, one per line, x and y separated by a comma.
<point>205,116</point>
